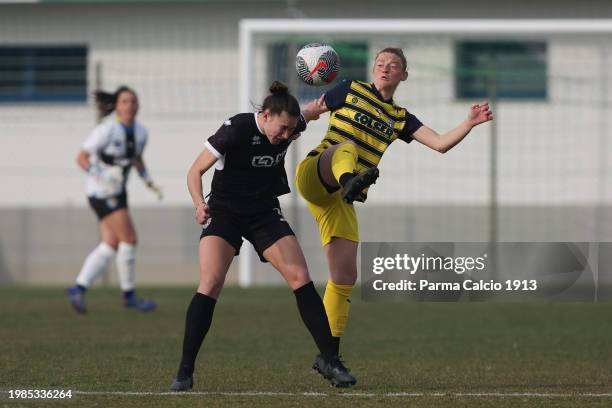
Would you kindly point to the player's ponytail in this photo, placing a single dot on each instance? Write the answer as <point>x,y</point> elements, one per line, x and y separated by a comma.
<point>278,87</point>
<point>280,100</point>
<point>105,101</point>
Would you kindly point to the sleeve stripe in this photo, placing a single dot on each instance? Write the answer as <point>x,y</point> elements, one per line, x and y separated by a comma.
<point>211,149</point>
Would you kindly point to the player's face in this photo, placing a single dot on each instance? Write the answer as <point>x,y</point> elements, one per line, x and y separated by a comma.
<point>388,71</point>
<point>278,128</point>
<point>127,107</point>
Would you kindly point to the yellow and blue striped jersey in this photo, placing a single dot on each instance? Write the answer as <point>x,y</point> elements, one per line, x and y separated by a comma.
<point>359,114</point>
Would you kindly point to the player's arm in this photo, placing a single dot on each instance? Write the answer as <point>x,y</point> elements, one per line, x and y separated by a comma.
<point>330,100</point>
<point>142,170</point>
<point>226,138</point>
<point>83,160</point>
<point>202,163</point>
<point>97,140</point>
<point>479,113</point>
<point>315,108</point>
<point>144,174</point>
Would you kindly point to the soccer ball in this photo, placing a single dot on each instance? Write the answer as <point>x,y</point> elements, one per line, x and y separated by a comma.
<point>317,64</point>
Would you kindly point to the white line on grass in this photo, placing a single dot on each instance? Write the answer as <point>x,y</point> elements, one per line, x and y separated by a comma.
<point>351,394</point>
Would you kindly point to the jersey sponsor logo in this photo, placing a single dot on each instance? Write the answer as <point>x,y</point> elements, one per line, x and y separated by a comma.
<point>374,124</point>
<point>256,140</point>
<point>389,122</point>
<point>280,214</point>
<point>267,161</point>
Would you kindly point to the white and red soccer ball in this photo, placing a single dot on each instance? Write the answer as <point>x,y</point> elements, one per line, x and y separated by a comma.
<point>317,64</point>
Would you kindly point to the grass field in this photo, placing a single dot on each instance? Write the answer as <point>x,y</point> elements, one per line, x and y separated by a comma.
<point>258,353</point>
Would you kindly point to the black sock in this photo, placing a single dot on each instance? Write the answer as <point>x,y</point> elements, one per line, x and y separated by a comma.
<point>313,314</point>
<point>197,322</point>
<point>82,288</point>
<point>336,344</point>
<point>345,177</point>
<point>128,294</point>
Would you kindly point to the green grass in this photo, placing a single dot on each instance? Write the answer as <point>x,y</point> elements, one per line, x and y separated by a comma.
<point>257,344</point>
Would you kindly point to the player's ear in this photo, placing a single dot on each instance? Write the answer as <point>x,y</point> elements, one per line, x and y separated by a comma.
<point>405,76</point>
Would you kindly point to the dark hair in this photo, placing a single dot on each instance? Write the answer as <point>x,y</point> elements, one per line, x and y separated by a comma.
<point>395,51</point>
<point>105,101</point>
<point>280,100</point>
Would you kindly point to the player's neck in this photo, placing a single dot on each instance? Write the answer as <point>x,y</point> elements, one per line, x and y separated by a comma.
<point>126,122</point>
<point>260,123</point>
<point>386,92</point>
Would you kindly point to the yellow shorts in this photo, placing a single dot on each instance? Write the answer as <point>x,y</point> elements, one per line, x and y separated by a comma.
<point>334,217</point>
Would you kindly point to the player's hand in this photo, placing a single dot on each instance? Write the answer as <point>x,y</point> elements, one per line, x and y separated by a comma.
<point>479,113</point>
<point>202,213</point>
<point>314,108</point>
<point>156,189</point>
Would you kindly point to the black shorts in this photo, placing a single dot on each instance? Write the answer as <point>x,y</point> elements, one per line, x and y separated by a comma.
<point>104,206</point>
<point>261,228</point>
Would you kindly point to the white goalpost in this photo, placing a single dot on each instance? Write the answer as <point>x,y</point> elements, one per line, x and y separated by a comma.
<point>548,82</point>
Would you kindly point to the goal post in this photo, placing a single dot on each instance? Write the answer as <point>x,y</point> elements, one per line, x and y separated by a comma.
<point>548,81</point>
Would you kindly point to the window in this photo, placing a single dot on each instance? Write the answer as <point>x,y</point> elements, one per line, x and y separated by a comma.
<point>354,64</point>
<point>43,74</point>
<point>511,70</point>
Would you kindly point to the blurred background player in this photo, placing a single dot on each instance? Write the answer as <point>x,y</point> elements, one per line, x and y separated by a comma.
<point>107,157</point>
<point>364,121</point>
<point>249,150</point>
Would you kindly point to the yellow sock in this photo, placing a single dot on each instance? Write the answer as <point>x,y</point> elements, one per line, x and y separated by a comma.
<point>344,160</point>
<point>337,305</point>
